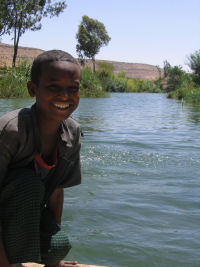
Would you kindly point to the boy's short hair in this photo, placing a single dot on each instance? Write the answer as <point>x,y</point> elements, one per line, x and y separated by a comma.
<point>47,57</point>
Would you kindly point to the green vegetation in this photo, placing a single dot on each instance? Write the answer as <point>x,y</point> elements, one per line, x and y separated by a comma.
<point>18,16</point>
<point>91,37</point>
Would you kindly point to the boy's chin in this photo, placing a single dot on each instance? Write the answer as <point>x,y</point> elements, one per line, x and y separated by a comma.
<point>63,114</point>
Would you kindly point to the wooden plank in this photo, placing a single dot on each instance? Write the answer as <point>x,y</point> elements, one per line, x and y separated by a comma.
<point>40,265</point>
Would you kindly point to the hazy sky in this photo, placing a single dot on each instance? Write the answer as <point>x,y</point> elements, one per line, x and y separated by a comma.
<point>141,31</point>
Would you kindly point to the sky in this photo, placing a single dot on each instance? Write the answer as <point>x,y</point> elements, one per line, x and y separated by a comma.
<point>141,31</point>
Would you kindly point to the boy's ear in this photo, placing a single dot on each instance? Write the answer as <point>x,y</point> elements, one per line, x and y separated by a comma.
<point>31,88</point>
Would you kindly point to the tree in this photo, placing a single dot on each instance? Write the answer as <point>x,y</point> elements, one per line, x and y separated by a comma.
<point>91,36</point>
<point>194,62</point>
<point>23,15</point>
<point>3,17</point>
<point>159,72</point>
<point>175,78</point>
<point>166,68</point>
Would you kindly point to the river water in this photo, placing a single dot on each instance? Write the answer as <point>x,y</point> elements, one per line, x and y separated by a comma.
<point>139,203</point>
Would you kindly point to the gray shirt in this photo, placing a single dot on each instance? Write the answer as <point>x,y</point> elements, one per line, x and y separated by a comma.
<point>20,141</point>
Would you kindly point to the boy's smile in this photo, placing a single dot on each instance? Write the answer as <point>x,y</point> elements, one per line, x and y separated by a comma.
<point>58,91</point>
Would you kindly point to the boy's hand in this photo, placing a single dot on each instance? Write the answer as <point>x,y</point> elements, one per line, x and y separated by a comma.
<point>68,264</point>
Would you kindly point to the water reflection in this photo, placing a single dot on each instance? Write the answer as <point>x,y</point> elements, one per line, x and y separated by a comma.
<point>194,114</point>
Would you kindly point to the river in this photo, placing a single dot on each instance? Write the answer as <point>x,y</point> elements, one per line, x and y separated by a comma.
<point>139,203</point>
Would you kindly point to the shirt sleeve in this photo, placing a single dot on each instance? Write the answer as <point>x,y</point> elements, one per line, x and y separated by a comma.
<point>8,148</point>
<point>72,175</point>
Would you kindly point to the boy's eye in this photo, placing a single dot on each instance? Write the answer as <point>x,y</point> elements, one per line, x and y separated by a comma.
<point>72,90</point>
<point>58,89</point>
<point>54,88</point>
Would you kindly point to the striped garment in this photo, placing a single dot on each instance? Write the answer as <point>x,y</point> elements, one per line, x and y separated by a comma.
<point>30,234</point>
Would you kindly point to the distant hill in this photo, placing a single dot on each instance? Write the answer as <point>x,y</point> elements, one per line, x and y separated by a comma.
<point>6,54</point>
<point>135,70</point>
<point>132,70</point>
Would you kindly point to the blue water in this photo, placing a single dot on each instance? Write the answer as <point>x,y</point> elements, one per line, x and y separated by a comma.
<point>139,203</point>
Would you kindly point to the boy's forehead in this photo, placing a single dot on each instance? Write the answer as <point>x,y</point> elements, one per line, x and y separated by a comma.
<point>60,65</point>
<point>53,67</point>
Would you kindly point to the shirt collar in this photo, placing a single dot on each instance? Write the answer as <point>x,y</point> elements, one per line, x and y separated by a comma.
<point>64,131</point>
<point>65,134</point>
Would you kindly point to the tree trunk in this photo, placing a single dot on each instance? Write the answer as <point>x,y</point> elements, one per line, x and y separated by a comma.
<point>15,55</point>
<point>16,43</point>
<point>93,63</point>
<point>17,34</point>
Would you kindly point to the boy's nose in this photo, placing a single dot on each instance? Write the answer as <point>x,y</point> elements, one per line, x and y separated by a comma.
<point>64,92</point>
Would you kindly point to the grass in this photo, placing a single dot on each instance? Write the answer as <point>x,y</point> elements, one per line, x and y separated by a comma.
<point>13,81</point>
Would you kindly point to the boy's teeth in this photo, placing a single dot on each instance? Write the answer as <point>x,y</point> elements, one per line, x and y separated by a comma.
<point>62,105</point>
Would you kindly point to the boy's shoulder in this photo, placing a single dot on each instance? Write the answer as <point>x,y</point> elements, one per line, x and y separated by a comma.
<point>11,120</point>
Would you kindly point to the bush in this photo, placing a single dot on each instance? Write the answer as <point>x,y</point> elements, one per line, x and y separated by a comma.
<point>188,91</point>
<point>196,79</point>
<point>132,85</point>
<point>115,84</point>
<point>137,85</point>
<point>90,84</point>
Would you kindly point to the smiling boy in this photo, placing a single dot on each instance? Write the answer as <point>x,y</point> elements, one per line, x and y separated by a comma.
<point>40,155</point>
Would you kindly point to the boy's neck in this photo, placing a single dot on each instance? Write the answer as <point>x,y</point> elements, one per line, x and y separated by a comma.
<point>48,128</point>
<point>49,133</point>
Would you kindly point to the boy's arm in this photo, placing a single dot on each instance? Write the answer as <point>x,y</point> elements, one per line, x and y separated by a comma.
<point>56,203</point>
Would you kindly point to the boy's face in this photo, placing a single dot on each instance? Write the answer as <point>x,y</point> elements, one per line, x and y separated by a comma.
<point>58,92</point>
